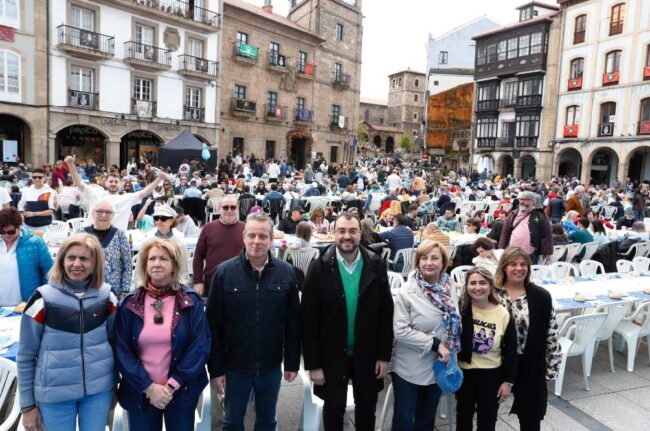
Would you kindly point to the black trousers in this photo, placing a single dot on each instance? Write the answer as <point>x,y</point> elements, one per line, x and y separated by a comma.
<point>478,393</point>
<point>529,424</point>
<point>335,402</point>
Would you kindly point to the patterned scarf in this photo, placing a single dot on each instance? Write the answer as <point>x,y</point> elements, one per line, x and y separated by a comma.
<point>439,295</point>
<point>182,301</point>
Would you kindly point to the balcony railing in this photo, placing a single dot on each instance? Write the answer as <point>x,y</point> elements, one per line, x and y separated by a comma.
<point>611,78</point>
<point>506,142</point>
<point>487,105</point>
<point>486,142</point>
<point>143,108</point>
<point>83,100</point>
<point>526,141</point>
<point>153,55</point>
<point>246,51</point>
<point>243,106</point>
<point>86,40</point>
<point>341,80</point>
<point>306,69</point>
<point>334,122</point>
<point>571,130</point>
<point>184,10</point>
<point>189,63</point>
<point>575,84</point>
<point>644,127</point>
<point>508,102</point>
<point>606,129</point>
<point>275,112</point>
<point>277,60</point>
<point>578,37</point>
<point>529,100</point>
<point>193,113</point>
<point>304,116</point>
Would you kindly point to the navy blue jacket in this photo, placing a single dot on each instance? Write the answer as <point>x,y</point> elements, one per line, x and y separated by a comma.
<point>190,352</point>
<point>254,317</point>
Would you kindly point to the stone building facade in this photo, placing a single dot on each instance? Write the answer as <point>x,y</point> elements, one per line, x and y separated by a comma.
<point>406,90</point>
<point>374,111</point>
<point>290,87</point>
<point>23,87</point>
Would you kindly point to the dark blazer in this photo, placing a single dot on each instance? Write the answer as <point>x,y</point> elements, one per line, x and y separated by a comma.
<point>190,351</point>
<point>508,345</point>
<point>324,322</point>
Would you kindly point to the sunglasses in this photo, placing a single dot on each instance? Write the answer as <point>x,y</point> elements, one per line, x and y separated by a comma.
<point>158,317</point>
<point>8,232</point>
<point>161,218</point>
<point>229,207</point>
<point>37,177</point>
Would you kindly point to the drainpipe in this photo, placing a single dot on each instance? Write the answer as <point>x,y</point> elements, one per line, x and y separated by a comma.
<point>47,82</point>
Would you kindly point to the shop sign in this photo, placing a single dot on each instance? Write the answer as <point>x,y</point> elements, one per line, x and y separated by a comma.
<point>165,126</point>
<point>6,33</point>
<point>83,130</point>
<point>140,134</point>
<point>114,122</point>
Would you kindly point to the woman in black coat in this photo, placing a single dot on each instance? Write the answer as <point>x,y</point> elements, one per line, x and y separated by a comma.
<point>538,349</point>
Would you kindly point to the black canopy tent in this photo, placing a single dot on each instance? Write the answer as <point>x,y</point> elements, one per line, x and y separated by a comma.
<point>185,146</point>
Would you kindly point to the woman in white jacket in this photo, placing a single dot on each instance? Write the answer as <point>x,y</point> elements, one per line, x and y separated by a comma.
<point>426,324</point>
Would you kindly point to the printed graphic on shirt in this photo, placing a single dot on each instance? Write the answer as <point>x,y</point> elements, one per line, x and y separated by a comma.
<point>483,340</point>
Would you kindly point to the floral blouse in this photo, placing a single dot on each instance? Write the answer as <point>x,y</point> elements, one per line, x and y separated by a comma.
<point>518,308</point>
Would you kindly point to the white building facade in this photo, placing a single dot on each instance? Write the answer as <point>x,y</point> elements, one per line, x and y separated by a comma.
<point>127,77</point>
<point>603,120</point>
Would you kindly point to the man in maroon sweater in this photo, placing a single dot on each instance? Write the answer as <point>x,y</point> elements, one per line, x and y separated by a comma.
<point>219,241</point>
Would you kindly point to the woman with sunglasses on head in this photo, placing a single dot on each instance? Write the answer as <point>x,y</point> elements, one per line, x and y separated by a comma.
<point>165,221</point>
<point>163,343</point>
<point>488,353</point>
<point>24,259</point>
<point>538,348</point>
<point>66,370</point>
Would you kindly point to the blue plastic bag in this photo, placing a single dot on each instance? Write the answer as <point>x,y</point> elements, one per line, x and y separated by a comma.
<point>449,376</point>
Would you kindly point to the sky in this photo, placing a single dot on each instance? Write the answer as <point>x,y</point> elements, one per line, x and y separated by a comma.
<point>395,32</point>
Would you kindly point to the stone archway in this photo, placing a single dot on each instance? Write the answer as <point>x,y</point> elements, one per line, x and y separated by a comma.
<point>140,144</point>
<point>507,165</point>
<point>15,134</point>
<point>390,144</point>
<point>604,166</point>
<point>528,166</point>
<point>638,164</point>
<point>86,142</point>
<point>570,163</point>
<point>377,141</point>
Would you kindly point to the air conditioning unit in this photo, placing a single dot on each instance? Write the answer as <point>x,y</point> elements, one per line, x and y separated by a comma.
<point>571,131</point>
<point>607,129</point>
<point>575,84</point>
<point>646,72</point>
<point>611,78</point>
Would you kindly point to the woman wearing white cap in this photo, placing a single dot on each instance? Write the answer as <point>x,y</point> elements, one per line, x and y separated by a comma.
<point>164,219</point>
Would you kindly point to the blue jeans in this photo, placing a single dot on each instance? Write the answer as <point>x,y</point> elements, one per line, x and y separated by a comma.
<point>265,386</point>
<point>149,418</point>
<point>415,406</point>
<point>92,412</point>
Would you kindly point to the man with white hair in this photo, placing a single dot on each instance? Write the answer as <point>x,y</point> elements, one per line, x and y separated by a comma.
<point>529,228</point>
<point>574,203</point>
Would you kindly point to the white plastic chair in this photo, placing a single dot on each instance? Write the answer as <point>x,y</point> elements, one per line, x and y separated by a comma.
<point>213,207</point>
<point>539,272</point>
<point>58,229</point>
<point>609,212</point>
<point>312,408</point>
<point>407,256</point>
<point>385,255</point>
<point>302,257</point>
<point>64,203</point>
<point>631,333</point>
<point>558,253</point>
<point>591,267</point>
<point>623,265</point>
<point>615,313</point>
<point>579,342</point>
<point>7,377</point>
<point>589,248</point>
<point>572,251</point>
<point>641,264</point>
<point>451,252</point>
<point>76,224</point>
<point>458,275</point>
<point>318,202</point>
<point>395,280</point>
<point>561,270</point>
<point>639,249</point>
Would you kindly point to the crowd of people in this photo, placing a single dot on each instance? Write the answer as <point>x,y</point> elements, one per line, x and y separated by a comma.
<point>155,324</point>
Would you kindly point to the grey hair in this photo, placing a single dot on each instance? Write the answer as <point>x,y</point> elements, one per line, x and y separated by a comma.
<point>579,189</point>
<point>527,195</point>
<point>106,202</point>
<point>259,217</point>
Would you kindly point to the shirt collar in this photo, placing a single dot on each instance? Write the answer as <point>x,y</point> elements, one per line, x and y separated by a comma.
<point>266,262</point>
<point>349,267</point>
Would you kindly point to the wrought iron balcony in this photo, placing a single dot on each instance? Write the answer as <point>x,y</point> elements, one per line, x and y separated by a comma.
<point>196,66</point>
<point>277,61</point>
<point>304,116</point>
<point>243,107</point>
<point>508,102</point>
<point>505,142</point>
<point>526,141</point>
<point>188,13</point>
<point>275,112</point>
<point>147,56</point>
<point>306,70</point>
<point>334,122</point>
<point>341,80</point>
<point>606,129</point>
<point>486,142</point>
<point>85,43</point>
<point>245,52</point>
<point>83,100</point>
<point>193,113</point>
<point>531,100</point>
<point>487,105</point>
<point>143,108</point>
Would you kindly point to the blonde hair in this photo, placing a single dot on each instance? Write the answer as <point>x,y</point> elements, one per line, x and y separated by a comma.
<point>426,247</point>
<point>396,207</point>
<point>57,272</point>
<point>569,215</point>
<point>465,299</point>
<point>386,212</point>
<point>509,255</point>
<point>174,252</point>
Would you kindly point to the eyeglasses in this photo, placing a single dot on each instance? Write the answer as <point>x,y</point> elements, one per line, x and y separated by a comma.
<point>158,317</point>
<point>104,212</point>
<point>229,207</point>
<point>37,177</point>
<point>161,218</point>
<point>8,232</point>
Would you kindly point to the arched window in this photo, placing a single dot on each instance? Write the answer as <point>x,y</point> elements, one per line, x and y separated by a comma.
<point>579,29</point>
<point>572,115</point>
<point>415,98</point>
<point>607,119</point>
<point>613,61</point>
<point>577,67</point>
<point>644,117</point>
<point>616,19</point>
<point>9,76</point>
